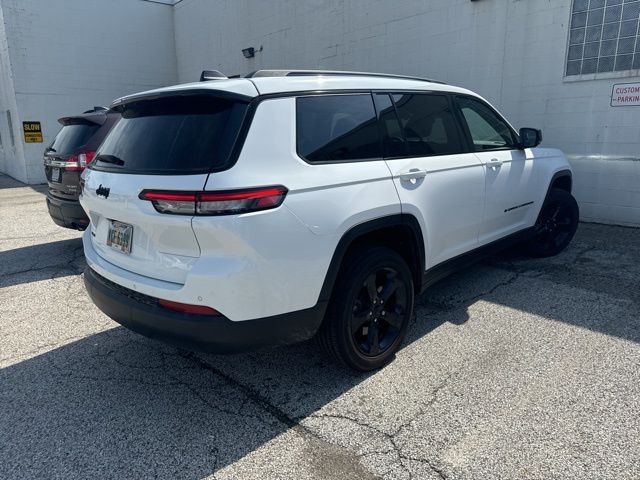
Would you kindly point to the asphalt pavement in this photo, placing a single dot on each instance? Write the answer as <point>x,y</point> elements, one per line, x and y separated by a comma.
<point>514,368</point>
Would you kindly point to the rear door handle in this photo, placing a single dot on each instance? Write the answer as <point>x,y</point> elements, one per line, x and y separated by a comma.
<point>495,164</point>
<point>413,174</point>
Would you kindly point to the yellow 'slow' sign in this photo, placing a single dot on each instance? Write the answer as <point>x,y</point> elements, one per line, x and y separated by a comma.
<point>32,132</point>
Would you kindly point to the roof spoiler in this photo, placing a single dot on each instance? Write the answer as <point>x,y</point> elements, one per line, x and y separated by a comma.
<point>96,109</point>
<point>207,75</point>
<point>85,118</point>
<point>66,121</point>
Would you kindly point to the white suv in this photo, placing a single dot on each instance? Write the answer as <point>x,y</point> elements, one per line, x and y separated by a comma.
<point>236,213</point>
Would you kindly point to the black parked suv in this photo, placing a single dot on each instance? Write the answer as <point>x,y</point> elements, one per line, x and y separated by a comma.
<point>72,149</point>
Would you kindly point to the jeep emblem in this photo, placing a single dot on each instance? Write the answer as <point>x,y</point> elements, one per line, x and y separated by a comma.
<point>104,191</point>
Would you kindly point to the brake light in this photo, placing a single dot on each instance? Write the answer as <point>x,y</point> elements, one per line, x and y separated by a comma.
<point>77,163</point>
<point>215,203</point>
<point>187,308</point>
<point>85,158</point>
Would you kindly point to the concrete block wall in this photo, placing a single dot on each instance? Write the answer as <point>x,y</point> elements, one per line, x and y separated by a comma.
<point>607,188</point>
<point>11,151</point>
<point>66,57</point>
<point>60,59</point>
<point>512,52</point>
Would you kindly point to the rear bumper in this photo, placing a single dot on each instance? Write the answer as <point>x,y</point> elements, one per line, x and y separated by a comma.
<point>218,334</point>
<point>67,213</point>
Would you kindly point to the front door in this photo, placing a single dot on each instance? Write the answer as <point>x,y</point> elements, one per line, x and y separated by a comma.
<point>509,171</point>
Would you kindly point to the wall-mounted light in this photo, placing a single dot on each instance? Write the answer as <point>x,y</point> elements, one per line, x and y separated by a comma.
<point>250,52</point>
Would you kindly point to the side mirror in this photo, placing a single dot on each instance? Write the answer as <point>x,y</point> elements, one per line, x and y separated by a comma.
<point>530,137</point>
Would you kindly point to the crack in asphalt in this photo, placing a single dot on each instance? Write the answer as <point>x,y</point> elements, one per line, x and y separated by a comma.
<point>392,437</point>
<point>263,403</point>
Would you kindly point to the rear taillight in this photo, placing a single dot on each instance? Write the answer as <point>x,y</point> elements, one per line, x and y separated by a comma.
<point>187,308</point>
<point>86,158</point>
<point>215,203</point>
<point>77,163</point>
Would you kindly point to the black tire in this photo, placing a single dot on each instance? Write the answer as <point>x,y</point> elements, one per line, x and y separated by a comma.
<point>360,331</point>
<point>556,225</point>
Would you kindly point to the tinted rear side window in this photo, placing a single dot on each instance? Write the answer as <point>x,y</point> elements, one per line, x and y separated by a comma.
<point>337,128</point>
<point>71,137</point>
<point>173,135</point>
<point>428,125</point>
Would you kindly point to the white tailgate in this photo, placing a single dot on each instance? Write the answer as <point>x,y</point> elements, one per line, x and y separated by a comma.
<point>164,246</point>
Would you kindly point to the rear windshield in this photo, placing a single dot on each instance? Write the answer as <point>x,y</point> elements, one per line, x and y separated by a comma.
<point>71,138</point>
<point>187,134</point>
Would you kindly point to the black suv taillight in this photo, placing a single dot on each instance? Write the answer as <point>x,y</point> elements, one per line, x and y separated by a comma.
<point>77,163</point>
<point>215,203</point>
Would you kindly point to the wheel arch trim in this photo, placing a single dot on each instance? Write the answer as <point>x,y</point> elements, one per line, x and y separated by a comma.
<point>370,226</point>
<point>559,174</point>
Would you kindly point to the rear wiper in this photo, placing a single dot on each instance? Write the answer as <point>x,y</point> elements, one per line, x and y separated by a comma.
<point>49,149</point>
<point>110,159</point>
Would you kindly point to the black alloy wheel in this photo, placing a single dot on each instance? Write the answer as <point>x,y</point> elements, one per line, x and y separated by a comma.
<point>378,312</point>
<point>556,225</point>
<point>369,310</point>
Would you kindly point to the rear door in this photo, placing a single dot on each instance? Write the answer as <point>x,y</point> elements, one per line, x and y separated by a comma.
<point>161,144</point>
<point>437,179</point>
<point>510,182</point>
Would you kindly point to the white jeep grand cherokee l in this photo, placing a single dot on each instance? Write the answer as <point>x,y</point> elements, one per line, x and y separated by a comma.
<point>232,214</point>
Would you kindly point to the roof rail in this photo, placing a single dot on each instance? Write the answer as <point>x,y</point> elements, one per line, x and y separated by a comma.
<point>304,73</point>
<point>207,75</point>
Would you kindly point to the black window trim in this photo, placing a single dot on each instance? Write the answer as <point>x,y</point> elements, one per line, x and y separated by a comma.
<point>381,127</point>
<point>253,103</point>
<point>467,132</point>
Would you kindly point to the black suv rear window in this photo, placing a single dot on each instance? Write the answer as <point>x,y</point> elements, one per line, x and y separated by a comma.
<point>71,137</point>
<point>337,128</point>
<point>181,134</point>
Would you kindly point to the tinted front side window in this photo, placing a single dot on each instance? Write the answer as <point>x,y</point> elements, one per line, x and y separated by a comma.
<point>337,128</point>
<point>428,125</point>
<point>488,131</point>
<point>71,138</point>
<point>173,135</point>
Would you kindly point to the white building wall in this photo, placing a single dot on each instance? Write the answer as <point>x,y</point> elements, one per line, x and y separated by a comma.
<point>10,146</point>
<point>69,56</point>
<point>510,51</point>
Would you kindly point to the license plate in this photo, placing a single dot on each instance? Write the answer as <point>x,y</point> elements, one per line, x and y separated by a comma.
<point>55,174</point>
<point>120,236</point>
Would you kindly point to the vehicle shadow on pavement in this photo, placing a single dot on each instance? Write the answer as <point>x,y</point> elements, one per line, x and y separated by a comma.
<point>593,284</point>
<point>41,262</point>
<point>115,404</point>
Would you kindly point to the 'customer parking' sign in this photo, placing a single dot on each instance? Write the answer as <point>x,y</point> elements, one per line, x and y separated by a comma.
<point>625,94</point>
